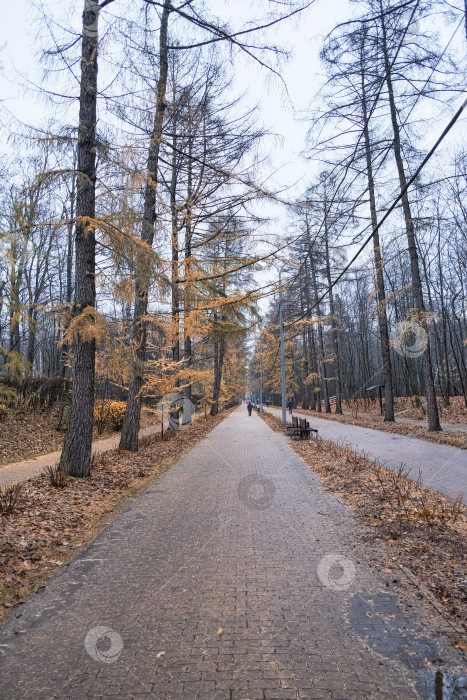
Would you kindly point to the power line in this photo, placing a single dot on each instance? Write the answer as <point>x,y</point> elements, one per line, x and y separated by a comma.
<point>367,121</point>
<point>386,215</point>
<point>390,210</point>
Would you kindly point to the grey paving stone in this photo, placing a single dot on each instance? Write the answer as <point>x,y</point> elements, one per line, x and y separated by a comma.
<point>217,584</point>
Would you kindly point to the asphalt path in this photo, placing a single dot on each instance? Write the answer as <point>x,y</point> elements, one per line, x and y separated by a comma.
<point>442,468</point>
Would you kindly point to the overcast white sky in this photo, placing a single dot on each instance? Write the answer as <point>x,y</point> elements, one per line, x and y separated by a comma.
<point>302,38</point>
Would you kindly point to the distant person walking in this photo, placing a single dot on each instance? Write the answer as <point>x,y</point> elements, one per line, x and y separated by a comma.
<point>249,407</point>
<point>290,406</point>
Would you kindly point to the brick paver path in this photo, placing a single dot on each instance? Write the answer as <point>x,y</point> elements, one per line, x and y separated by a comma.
<point>442,468</point>
<point>218,583</point>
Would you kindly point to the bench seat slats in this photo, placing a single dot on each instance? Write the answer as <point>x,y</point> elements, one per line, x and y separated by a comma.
<point>300,428</point>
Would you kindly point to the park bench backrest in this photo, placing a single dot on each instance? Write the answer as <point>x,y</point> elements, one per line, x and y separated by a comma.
<point>295,421</point>
<point>302,424</point>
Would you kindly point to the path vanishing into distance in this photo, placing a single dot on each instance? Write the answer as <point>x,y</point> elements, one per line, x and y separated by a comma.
<point>442,467</point>
<point>234,577</point>
<point>21,471</point>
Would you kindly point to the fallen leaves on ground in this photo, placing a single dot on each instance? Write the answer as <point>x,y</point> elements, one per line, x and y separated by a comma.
<point>26,434</point>
<point>50,525</point>
<point>452,438</point>
<point>456,412</point>
<point>406,407</point>
<point>421,529</point>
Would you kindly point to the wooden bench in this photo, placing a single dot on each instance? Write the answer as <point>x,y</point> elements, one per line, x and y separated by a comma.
<point>291,429</point>
<point>300,428</point>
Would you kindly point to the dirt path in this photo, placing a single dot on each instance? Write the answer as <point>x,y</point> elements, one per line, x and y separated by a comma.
<point>20,471</point>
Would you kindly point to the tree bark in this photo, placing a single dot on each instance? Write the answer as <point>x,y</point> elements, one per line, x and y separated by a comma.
<point>432,406</point>
<point>76,453</point>
<point>382,316</point>
<point>175,415</point>
<point>334,329</point>
<point>69,274</point>
<point>312,361</point>
<point>131,421</point>
<point>219,353</point>
<point>322,362</point>
<point>187,343</point>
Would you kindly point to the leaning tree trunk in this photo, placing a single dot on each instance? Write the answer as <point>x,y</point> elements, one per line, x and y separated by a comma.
<point>131,421</point>
<point>76,453</point>
<point>382,316</point>
<point>432,406</point>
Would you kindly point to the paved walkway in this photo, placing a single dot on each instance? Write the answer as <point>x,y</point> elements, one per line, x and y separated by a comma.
<point>20,471</point>
<point>234,577</point>
<point>443,468</point>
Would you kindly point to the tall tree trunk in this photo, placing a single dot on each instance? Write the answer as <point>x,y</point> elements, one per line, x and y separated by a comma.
<point>432,406</point>
<point>175,331</point>
<point>2,354</point>
<point>76,452</point>
<point>306,370</point>
<point>131,421</point>
<point>175,260</point>
<point>446,370</point>
<point>334,329</point>
<point>312,361</point>
<point>69,275</point>
<point>16,280</point>
<point>382,315</point>
<point>312,364</point>
<point>322,356</point>
<point>219,353</point>
<point>187,343</point>
<point>32,330</point>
